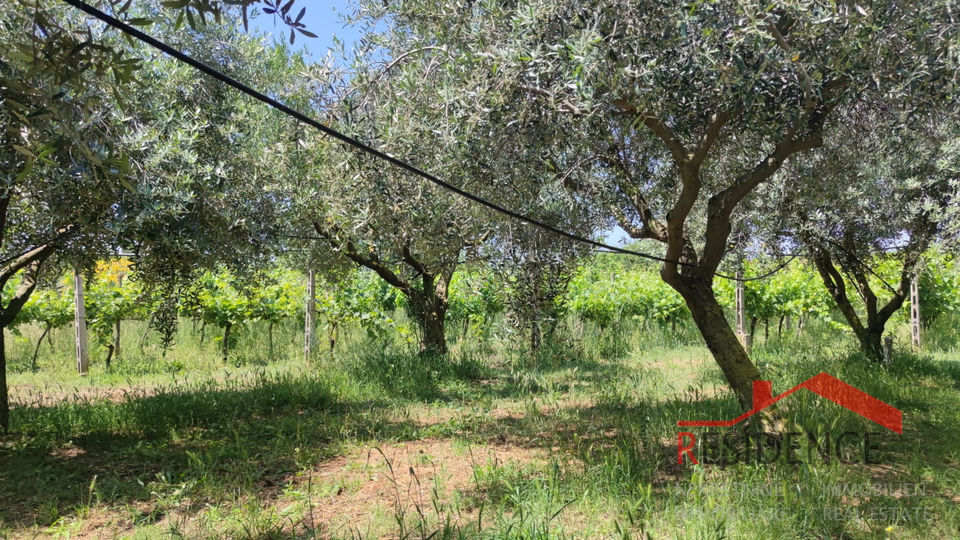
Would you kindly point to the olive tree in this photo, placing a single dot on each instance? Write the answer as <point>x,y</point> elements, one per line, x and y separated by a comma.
<point>871,197</point>
<point>103,151</point>
<point>414,234</point>
<point>685,108</point>
<point>353,209</point>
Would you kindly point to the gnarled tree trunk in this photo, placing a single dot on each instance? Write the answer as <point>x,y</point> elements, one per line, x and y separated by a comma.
<point>871,343</point>
<point>691,273</point>
<point>429,306</point>
<point>719,337</point>
<point>434,336</point>
<point>428,301</point>
<point>869,335</point>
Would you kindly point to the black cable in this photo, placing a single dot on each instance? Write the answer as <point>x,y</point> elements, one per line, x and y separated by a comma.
<point>763,276</point>
<point>153,42</point>
<point>200,66</point>
<point>853,256</point>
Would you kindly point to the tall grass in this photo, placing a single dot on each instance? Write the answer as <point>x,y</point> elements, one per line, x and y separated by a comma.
<point>180,444</point>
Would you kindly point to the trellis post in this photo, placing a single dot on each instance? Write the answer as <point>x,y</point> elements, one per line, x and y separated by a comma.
<point>915,311</point>
<point>310,313</point>
<point>742,334</point>
<point>80,322</point>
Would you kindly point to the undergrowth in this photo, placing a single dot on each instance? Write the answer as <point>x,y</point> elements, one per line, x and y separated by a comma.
<point>181,444</point>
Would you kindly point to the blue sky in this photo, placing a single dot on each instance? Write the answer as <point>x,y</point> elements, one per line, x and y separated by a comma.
<point>321,18</point>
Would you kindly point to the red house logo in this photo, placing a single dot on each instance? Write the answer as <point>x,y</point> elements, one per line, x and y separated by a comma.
<point>823,385</point>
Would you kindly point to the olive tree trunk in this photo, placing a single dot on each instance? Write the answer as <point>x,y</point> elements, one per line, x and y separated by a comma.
<point>871,343</point>
<point>711,321</point>
<point>688,270</point>
<point>429,305</point>
<point>29,263</point>
<point>434,333</point>
<point>428,299</point>
<point>869,335</point>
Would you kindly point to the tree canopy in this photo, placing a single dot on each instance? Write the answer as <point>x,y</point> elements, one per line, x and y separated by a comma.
<point>681,122</point>
<point>681,110</point>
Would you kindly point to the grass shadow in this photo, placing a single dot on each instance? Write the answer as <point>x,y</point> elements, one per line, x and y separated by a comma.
<point>176,448</point>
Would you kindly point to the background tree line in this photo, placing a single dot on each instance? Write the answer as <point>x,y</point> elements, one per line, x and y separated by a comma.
<point>605,292</point>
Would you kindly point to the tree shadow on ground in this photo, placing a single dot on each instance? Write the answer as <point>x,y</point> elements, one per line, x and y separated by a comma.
<point>175,444</point>
<point>181,448</point>
<point>509,382</point>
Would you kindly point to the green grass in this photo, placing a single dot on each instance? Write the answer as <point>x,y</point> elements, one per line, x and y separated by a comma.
<point>182,445</point>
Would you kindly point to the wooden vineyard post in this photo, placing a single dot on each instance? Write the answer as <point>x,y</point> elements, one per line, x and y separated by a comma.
<point>80,322</point>
<point>310,324</point>
<point>915,311</point>
<point>116,344</point>
<point>742,334</point>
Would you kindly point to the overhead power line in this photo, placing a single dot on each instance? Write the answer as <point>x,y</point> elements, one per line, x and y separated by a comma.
<point>766,275</point>
<point>259,96</point>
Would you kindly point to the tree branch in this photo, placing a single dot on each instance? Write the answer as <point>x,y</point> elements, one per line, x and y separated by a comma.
<point>38,253</point>
<point>809,100</point>
<point>747,182</point>
<point>650,227</point>
<point>678,245</point>
<point>854,267</point>
<point>389,66</point>
<point>412,261</point>
<point>637,233</point>
<point>350,251</point>
<point>27,285</point>
<point>920,238</point>
<point>669,138</point>
<point>563,105</point>
<point>835,286</point>
<point>896,301</point>
<point>711,134</point>
<point>855,260</point>
<point>535,90</point>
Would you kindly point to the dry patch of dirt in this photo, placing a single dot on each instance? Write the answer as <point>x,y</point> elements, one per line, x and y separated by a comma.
<point>428,476</point>
<point>99,523</point>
